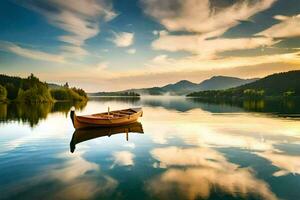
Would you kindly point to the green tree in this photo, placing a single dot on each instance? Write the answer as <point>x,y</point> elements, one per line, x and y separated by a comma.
<point>66,85</point>
<point>12,91</point>
<point>67,94</point>
<point>32,90</point>
<point>80,91</point>
<point>3,93</point>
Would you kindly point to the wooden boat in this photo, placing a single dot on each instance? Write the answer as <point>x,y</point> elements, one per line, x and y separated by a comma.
<point>107,119</point>
<point>81,135</point>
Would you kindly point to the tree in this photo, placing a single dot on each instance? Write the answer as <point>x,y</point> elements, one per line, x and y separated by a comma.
<point>12,91</point>
<point>80,91</point>
<point>32,90</point>
<point>3,93</point>
<point>66,85</point>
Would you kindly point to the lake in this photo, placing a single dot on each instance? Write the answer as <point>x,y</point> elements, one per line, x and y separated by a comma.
<point>181,149</point>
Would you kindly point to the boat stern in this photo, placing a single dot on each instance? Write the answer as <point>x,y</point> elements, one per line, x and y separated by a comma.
<point>72,116</point>
<point>138,110</point>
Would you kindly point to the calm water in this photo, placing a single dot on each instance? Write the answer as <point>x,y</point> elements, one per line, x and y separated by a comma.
<point>182,149</point>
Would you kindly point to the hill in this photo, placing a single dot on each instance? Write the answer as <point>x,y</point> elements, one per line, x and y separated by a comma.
<point>224,82</point>
<point>185,87</point>
<point>32,90</point>
<point>275,85</point>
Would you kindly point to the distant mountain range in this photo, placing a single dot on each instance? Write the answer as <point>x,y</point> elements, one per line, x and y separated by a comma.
<point>283,84</point>
<point>185,87</point>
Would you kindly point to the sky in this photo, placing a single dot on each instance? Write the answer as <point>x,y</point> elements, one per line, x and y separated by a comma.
<point>103,45</point>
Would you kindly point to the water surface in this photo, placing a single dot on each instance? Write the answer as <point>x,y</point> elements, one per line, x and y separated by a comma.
<point>182,149</point>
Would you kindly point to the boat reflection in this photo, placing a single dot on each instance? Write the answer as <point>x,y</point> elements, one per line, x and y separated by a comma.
<point>82,135</point>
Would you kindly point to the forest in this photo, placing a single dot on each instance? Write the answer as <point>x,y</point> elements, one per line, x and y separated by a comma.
<point>32,90</point>
<point>285,84</point>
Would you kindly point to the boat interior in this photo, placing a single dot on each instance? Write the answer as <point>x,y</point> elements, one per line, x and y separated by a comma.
<point>112,114</point>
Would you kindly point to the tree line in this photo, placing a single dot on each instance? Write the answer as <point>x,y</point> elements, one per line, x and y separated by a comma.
<point>32,90</point>
<point>126,94</point>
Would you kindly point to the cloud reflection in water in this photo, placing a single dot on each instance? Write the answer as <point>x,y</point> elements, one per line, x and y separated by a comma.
<point>286,163</point>
<point>204,170</point>
<point>76,177</point>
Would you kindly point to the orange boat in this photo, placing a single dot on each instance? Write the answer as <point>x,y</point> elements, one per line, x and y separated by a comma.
<point>107,119</point>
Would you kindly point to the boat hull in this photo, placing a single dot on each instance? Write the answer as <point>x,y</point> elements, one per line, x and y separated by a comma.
<point>92,121</point>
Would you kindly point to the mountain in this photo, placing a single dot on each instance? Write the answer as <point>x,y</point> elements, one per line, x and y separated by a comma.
<point>224,82</point>
<point>185,87</point>
<point>181,87</point>
<point>275,85</point>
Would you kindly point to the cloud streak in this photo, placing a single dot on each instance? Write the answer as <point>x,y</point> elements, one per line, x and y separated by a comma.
<point>32,54</point>
<point>168,70</point>
<point>197,63</point>
<point>204,21</point>
<point>131,51</point>
<point>204,17</point>
<point>288,27</point>
<point>198,45</point>
<point>79,19</point>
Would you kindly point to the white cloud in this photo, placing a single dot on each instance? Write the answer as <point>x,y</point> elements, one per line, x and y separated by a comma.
<point>79,29</point>
<point>69,50</point>
<point>155,32</point>
<point>131,51</point>
<point>160,59</point>
<point>30,53</point>
<point>205,21</point>
<point>123,39</point>
<point>198,63</point>
<point>288,27</point>
<point>198,45</point>
<point>202,17</point>
<point>80,19</point>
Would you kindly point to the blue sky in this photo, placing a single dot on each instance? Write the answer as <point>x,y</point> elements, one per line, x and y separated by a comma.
<point>112,45</point>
